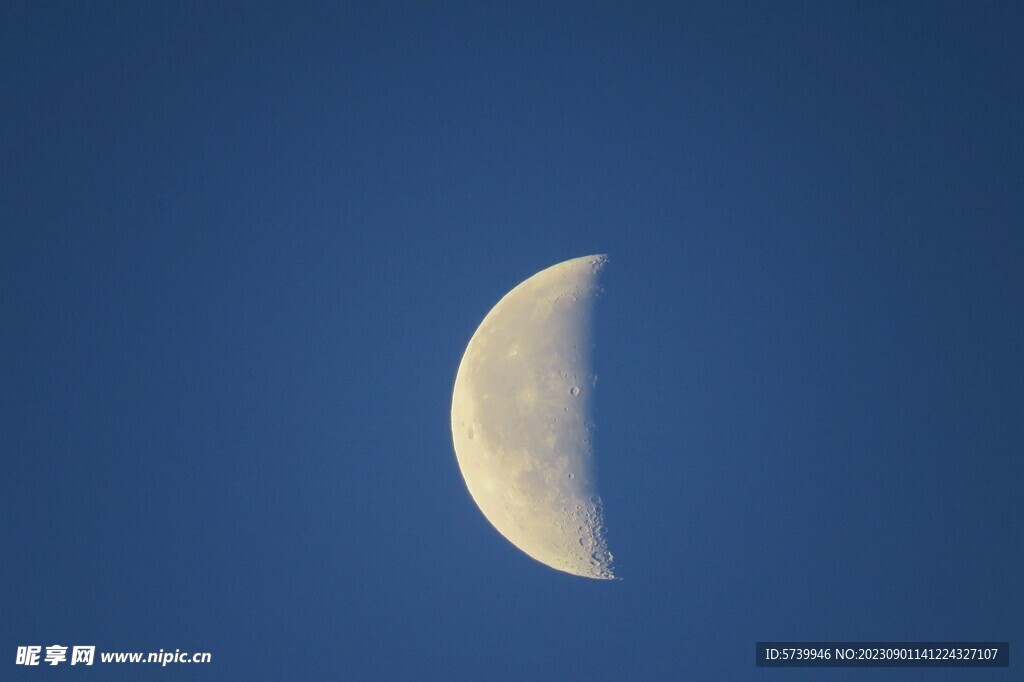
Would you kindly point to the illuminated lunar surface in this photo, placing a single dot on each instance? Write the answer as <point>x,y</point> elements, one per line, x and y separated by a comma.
<point>520,414</point>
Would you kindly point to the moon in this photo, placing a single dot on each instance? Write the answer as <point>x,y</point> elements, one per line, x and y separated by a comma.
<point>520,419</point>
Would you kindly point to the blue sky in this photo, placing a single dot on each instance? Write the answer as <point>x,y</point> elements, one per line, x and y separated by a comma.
<point>244,246</point>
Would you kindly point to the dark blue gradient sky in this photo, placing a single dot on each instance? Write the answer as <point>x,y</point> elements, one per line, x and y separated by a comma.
<point>243,247</point>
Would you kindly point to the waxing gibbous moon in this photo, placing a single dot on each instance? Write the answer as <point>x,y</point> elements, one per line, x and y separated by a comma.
<point>520,413</point>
